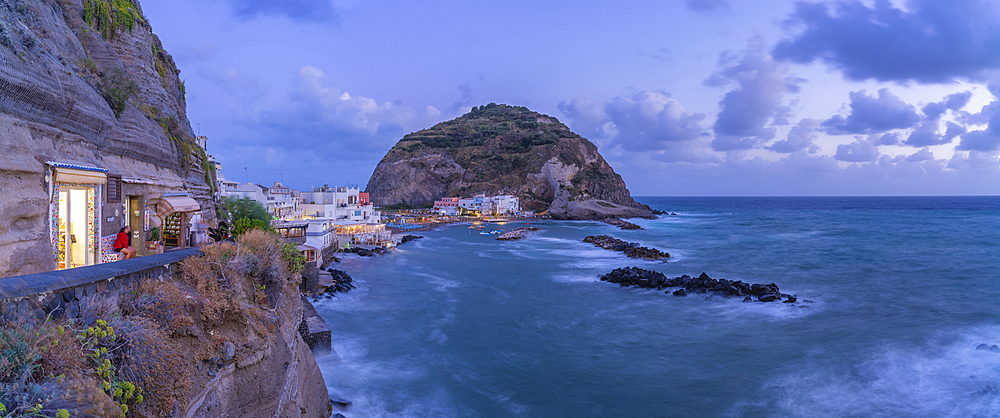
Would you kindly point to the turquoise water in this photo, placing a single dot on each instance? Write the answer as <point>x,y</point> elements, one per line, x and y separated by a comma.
<point>903,289</point>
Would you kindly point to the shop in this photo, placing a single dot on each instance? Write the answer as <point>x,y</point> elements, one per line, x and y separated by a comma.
<point>176,210</point>
<point>75,213</point>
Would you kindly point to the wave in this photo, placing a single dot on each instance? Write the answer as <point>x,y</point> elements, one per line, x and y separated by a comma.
<point>936,379</point>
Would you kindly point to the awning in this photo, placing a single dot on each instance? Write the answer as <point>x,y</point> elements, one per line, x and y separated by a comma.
<point>176,204</point>
<point>303,247</point>
<point>78,173</point>
<point>136,180</point>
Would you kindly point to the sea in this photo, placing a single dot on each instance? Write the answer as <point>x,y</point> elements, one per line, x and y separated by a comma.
<point>895,295</point>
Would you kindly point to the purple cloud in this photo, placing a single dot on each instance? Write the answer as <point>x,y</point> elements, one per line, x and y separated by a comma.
<point>859,151</point>
<point>745,112</point>
<point>644,122</point>
<point>800,138</point>
<point>315,11</point>
<point>932,41</point>
<point>708,6</point>
<point>873,115</point>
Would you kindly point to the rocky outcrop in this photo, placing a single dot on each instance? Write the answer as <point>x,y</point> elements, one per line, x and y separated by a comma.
<point>631,249</point>
<point>517,233</point>
<point>621,224</point>
<point>648,279</point>
<point>500,149</point>
<point>80,90</point>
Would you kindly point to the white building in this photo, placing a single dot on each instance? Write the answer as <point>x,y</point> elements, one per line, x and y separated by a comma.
<point>339,203</point>
<point>503,205</point>
<point>280,201</point>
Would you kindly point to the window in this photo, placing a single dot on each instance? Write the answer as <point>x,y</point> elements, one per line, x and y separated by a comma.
<point>114,189</point>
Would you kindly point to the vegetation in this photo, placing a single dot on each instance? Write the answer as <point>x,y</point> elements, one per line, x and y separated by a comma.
<point>514,127</point>
<point>109,17</point>
<point>116,88</point>
<point>154,234</point>
<point>244,225</point>
<point>237,208</point>
<point>133,354</point>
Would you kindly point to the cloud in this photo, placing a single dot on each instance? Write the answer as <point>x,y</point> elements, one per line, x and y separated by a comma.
<point>800,138</point>
<point>647,121</point>
<point>985,140</point>
<point>873,115</point>
<point>953,102</point>
<point>890,138</point>
<point>927,134</point>
<point>860,151</point>
<point>932,41</point>
<point>745,112</point>
<point>708,6</point>
<point>466,100</point>
<point>329,120</point>
<point>313,11</point>
<point>923,155</point>
<point>248,89</point>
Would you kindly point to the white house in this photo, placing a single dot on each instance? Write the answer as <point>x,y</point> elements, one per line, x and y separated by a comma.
<point>339,203</point>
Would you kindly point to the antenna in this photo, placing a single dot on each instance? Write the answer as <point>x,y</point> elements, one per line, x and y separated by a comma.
<point>247,174</point>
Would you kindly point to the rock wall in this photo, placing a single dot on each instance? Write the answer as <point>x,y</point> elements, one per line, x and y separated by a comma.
<point>55,71</point>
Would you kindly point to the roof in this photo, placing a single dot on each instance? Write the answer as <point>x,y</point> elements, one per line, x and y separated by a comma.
<point>76,166</point>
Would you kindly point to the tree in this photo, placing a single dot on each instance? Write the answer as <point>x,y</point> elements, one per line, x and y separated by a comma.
<point>245,208</point>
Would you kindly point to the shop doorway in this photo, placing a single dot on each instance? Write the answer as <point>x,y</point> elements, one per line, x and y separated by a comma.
<point>134,219</point>
<point>174,230</point>
<point>76,227</point>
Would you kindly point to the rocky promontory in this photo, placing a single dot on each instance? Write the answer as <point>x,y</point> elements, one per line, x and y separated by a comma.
<point>500,149</point>
<point>631,249</point>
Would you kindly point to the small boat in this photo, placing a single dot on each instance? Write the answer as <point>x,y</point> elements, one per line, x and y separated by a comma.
<point>496,231</point>
<point>484,233</point>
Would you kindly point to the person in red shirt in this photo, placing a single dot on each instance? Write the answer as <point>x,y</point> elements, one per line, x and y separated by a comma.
<point>123,243</point>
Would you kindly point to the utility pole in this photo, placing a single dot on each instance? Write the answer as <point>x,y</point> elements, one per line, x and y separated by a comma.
<point>247,174</point>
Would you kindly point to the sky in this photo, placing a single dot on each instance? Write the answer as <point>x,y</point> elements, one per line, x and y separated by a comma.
<point>682,97</point>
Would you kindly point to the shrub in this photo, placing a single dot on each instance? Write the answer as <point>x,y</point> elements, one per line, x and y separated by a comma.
<point>243,225</point>
<point>245,208</point>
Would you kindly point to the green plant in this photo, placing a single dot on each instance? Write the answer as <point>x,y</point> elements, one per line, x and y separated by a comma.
<point>154,234</point>
<point>295,259</point>
<point>238,208</point>
<point>243,225</point>
<point>117,88</point>
<point>110,17</point>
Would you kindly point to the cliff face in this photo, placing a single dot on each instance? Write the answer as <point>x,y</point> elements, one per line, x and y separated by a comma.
<point>500,149</point>
<point>85,81</point>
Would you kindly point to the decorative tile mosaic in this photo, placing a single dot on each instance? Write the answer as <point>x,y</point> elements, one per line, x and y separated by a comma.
<point>108,253</point>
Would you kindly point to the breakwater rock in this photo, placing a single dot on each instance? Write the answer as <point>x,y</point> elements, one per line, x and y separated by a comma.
<point>648,279</point>
<point>631,249</point>
<point>341,281</point>
<point>365,252</point>
<point>623,224</point>
<point>517,233</point>
<point>408,238</point>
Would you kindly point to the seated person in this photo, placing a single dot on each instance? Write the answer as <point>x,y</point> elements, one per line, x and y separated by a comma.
<point>123,243</point>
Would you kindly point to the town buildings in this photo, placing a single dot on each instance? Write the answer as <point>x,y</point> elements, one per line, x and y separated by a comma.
<point>479,204</point>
